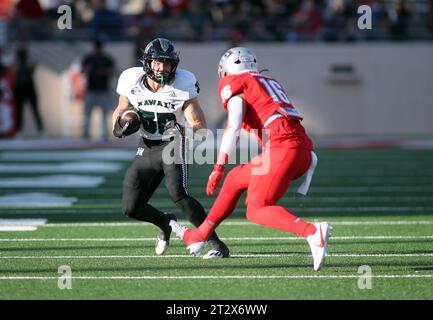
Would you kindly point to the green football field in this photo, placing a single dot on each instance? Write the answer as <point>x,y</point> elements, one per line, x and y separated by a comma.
<point>60,216</point>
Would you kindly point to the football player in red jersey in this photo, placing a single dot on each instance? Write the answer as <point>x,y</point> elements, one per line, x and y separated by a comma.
<point>258,103</point>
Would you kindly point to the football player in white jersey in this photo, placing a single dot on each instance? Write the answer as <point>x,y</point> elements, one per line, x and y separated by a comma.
<point>164,96</point>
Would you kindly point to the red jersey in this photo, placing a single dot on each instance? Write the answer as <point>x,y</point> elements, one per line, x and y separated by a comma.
<point>263,96</point>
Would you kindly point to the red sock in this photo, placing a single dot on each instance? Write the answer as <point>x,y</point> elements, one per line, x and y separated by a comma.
<point>201,233</point>
<point>280,218</point>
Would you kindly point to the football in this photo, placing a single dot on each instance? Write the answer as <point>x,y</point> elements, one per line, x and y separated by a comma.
<point>130,116</point>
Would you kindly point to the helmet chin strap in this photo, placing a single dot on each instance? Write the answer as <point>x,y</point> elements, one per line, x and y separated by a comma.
<point>158,78</point>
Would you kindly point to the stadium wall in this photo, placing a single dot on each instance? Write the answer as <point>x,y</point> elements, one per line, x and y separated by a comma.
<point>350,89</point>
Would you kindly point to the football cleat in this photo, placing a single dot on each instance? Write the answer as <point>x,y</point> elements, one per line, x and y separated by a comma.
<point>163,237</point>
<point>319,244</point>
<point>213,254</point>
<point>218,250</point>
<point>194,246</point>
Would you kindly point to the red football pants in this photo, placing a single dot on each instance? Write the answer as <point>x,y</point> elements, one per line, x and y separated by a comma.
<point>266,179</point>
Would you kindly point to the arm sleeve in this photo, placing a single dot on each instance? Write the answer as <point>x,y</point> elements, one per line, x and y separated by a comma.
<point>234,125</point>
<point>229,87</point>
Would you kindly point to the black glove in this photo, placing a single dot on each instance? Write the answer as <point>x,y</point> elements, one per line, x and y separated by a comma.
<point>127,130</point>
<point>117,130</point>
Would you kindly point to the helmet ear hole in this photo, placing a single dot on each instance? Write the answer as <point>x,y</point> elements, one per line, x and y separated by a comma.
<point>237,60</point>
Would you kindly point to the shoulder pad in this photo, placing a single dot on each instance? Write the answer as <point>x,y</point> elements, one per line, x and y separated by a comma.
<point>131,74</point>
<point>186,81</point>
<point>127,80</point>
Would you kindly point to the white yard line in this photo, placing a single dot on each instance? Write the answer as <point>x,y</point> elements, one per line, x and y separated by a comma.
<point>363,223</point>
<point>224,238</point>
<point>219,277</point>
<point>22,222</point>
<point>406,209</point>
<point>17,228</point>
<point>341,209</point>
<point>233,223</point>
<point>80,155</point>
<point>258,255</point>
<point>370,189</point>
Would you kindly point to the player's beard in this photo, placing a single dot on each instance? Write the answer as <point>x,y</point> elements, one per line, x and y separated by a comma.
<point>162,78</point>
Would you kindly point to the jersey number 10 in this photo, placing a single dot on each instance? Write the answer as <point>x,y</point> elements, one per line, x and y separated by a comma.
<point>275,90</point>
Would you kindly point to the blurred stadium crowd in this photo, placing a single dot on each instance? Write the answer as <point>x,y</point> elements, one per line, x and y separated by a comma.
<point>218,20</point>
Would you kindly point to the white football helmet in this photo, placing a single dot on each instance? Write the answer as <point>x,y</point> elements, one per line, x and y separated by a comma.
<point>237,60</point>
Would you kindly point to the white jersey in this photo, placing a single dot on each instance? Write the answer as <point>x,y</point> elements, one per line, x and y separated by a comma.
<point>157,108</point>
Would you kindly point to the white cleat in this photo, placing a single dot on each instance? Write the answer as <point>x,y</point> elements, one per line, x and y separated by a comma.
<point>177,228</point>
<point>163,237</point>
<point>213,254</point>
<point>319,244</point>
<point>218,250</point>
<point>194,248</point>
<point>161,246</point>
